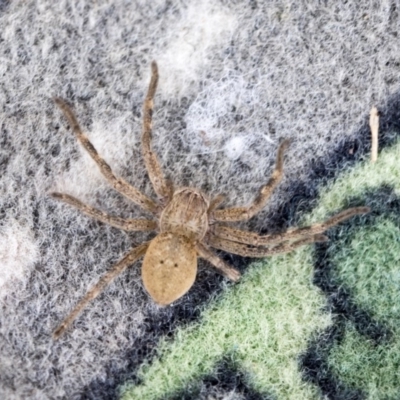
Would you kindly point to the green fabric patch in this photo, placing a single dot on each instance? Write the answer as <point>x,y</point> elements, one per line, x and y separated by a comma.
<point>368,267</point>
<point>264,323</point>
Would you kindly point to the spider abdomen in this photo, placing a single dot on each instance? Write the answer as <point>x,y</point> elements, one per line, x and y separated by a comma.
<point>169,267</point>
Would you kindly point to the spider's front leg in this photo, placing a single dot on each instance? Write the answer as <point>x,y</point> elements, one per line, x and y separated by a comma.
<point>117,183</point>
<point>117,222</point>
<point>245,213</point>
<point>162,187</point>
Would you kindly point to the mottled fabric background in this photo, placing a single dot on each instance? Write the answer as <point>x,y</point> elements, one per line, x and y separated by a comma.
<point>236,78</point>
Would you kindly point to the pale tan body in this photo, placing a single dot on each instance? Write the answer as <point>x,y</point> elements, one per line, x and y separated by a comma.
<point>186,224</point>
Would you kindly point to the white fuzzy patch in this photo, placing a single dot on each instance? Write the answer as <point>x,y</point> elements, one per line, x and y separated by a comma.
<point>18,251</point>
<point>203,25</point>
<point>234,147</point>
<point>211,118</point>
<point>84,176</point>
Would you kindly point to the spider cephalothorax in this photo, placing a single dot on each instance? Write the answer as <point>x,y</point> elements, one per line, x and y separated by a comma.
<point>186,221</point>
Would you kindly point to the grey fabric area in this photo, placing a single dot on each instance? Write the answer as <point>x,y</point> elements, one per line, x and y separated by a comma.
<point>236,78</point>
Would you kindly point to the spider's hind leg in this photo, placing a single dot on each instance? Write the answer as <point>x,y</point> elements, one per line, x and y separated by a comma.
<point>129,259</point>
<point>230,272</point>
<point>251,238</point>
<point>246,250</point>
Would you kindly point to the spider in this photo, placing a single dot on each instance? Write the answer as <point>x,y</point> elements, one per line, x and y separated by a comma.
<point>187,223</point>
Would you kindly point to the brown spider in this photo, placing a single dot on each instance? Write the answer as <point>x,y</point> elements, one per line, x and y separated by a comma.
<point>186,222</point>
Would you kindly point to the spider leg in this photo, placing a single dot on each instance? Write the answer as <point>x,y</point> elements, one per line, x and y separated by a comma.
<point>204,252</point>
<point>237,235</point>
<point>260,252</point>
<point>117,183</point>
<point>160,184</point>
<point>121,223</point>
<point>215,203</point>
<point>245,213</point>
<point>129,259</point>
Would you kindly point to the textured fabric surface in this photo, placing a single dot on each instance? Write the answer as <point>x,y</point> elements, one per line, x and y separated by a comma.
<point>236,78</point>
